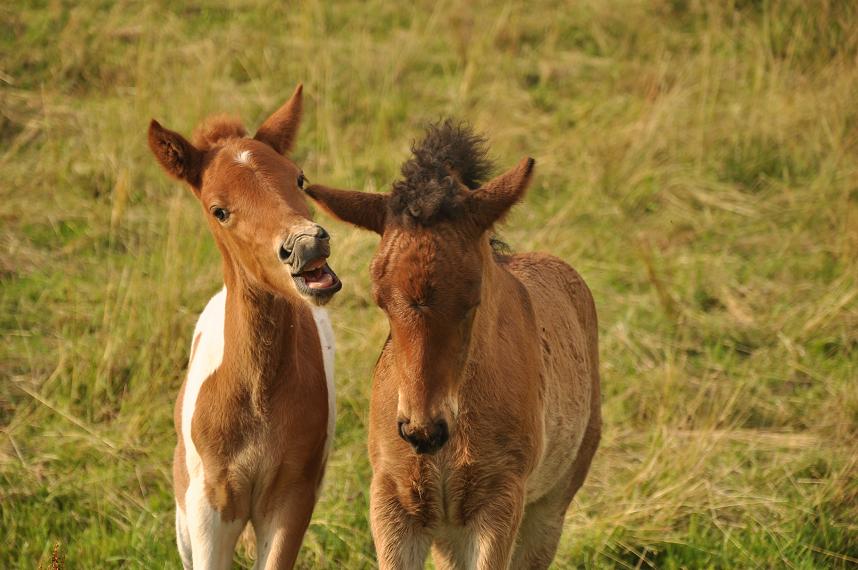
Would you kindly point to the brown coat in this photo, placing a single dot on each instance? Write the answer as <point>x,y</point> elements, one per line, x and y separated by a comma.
<point>254,418</point>
<point>485,408</point>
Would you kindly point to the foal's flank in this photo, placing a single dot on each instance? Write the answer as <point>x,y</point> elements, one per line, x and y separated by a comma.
<point>485,408</point>
<point>255,416</point>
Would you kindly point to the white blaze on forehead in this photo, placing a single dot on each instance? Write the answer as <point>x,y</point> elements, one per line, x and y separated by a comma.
<point>244,157</point>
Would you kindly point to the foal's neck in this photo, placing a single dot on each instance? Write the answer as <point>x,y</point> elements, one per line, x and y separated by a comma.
<point>261,337</point>
<point>499,295</point>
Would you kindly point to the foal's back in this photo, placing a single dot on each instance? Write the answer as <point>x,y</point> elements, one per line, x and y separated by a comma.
<point>566,320</point>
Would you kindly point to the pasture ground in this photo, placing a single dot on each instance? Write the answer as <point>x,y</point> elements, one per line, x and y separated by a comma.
<point>696,161</point>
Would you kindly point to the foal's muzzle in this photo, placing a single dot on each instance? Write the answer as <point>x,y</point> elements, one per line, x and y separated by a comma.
<point>305,254</point>
<point>425,439</point>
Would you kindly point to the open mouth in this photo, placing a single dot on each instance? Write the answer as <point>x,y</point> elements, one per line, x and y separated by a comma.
<point>317,279</point>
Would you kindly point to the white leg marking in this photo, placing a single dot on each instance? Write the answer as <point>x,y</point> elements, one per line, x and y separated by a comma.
<point>213,540</point>
<point>264,542</point>
<point>183,538</point>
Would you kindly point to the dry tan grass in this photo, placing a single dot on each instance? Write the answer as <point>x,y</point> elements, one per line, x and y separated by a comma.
<point>696,161</point>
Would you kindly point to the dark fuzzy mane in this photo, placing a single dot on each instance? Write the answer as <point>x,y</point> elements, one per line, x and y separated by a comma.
<point>216,129</point>
<point>429,191</point>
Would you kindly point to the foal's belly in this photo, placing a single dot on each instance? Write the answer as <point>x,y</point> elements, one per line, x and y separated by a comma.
<point>566,413</point>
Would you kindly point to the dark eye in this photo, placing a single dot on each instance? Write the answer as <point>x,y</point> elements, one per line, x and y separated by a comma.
<point>301,181</point>
<point>221,214</point>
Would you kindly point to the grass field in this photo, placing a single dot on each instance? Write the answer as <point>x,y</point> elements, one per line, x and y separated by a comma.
<point>696,161</point>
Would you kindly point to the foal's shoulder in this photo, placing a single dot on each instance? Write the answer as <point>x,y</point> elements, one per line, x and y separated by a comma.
<point>544,275</point>
<point>541,266</point>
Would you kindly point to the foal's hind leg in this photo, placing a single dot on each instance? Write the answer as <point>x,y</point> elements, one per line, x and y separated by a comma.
<point>540,530</point>
<point>539,533</point>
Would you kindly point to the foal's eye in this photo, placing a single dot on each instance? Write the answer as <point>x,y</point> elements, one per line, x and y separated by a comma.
<point>301,181</point>
<point>221,214</point>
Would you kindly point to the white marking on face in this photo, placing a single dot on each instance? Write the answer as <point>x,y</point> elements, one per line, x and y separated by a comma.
<point>244,157</point>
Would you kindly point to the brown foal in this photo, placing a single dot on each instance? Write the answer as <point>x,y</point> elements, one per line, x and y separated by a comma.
<point>255,415</point>
<point>485,411</point>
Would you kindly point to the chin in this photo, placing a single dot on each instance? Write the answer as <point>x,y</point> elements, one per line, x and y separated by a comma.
<point>318,300</point>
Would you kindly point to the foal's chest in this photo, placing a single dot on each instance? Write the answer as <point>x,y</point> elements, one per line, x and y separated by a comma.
<point>443,495</point>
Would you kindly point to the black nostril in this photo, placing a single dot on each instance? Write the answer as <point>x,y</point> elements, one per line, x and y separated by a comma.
<point>283,253</point>
<point>321,233</point>
<point>401,427</point>
<point>428,440</point>
<point>442,433</point>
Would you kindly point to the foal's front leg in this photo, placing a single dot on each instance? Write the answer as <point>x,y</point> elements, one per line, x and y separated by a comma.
<point>280,531</point>
<point>401,542</point>
<point>212,539</point>
<point>496,525</point>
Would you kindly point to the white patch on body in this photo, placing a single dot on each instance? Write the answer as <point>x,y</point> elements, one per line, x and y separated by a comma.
<point>207,358</point>
<point>200,525</point>
<point>326,337</point>
<point>213,540</point>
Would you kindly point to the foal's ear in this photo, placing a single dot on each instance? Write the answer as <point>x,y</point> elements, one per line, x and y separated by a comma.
<point>176,155</point>
<point>492,201</point>
<point>280,129</point>
<point>365,210</point>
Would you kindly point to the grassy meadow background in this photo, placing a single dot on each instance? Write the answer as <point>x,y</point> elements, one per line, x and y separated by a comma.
<point>696,161</point>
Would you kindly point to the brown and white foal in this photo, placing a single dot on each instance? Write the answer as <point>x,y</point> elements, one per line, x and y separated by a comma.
<point>485,410</point>
<point>255,415</point>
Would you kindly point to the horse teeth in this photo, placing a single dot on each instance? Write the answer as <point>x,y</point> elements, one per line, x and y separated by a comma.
<point>318,264</point>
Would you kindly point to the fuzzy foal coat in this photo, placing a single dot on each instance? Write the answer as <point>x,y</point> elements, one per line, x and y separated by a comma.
<point>500,353</point>
<point>255,415</point>
<point>528,426</point>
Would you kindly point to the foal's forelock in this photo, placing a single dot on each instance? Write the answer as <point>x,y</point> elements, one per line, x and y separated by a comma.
<point>450,159</point>
<point>217,129</point>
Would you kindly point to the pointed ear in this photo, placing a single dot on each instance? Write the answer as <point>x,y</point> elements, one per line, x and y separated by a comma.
<point>366,210</point>
<point>492,201</point>
<point>176,155</point>
<point>280,130</point>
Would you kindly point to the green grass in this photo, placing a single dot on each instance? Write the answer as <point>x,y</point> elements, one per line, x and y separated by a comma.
<point>696,161</point>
